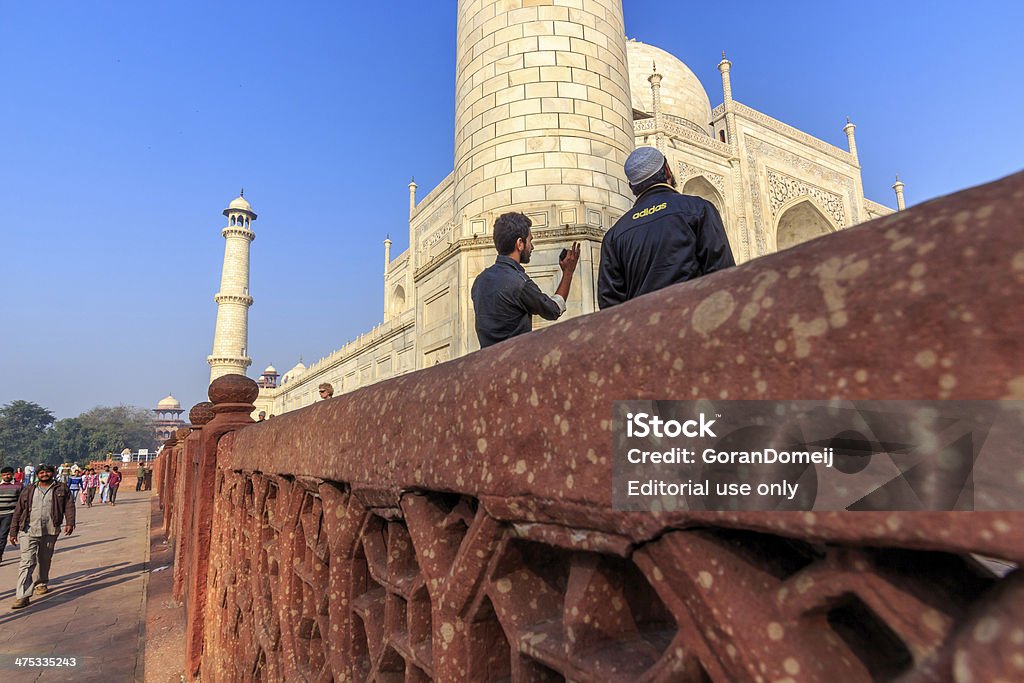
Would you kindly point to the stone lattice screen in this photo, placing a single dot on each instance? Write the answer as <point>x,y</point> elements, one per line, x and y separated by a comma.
<point>455,524</point>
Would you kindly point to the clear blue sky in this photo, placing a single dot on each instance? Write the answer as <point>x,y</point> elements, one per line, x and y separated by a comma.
<point>126,127</point>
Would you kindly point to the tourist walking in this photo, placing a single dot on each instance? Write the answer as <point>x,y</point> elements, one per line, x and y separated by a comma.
<point>30,473</point>
<point>19,476</point>
<point>75,485</point>
<point>112,483</point>
<point>140,476</point>
<point>9,492</point>
<point>41,510</point>
<point>91,482</point>
<point>104,479</point>
<point>667,237</point>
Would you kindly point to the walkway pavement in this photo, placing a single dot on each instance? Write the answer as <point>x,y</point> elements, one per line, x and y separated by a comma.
<point>95,611</point>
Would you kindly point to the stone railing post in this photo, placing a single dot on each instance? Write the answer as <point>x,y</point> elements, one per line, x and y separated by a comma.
<point>166,487</point>
<point>183,529</point>
<point>232,397</point>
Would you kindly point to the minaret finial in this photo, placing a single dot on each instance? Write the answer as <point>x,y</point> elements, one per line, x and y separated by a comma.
<point>241,193</point>
<point>723,54</point>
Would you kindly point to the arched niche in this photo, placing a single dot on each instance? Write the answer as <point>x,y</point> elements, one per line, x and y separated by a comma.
<point>700,187</point>
<point>398,299</point>
<point>801,222</point>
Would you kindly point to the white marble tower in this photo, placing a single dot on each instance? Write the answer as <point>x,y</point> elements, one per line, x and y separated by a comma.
<point>230,340</point>
<point>542,113</point>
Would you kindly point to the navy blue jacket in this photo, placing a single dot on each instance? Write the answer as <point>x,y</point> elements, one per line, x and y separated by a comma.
<point>666,238</point>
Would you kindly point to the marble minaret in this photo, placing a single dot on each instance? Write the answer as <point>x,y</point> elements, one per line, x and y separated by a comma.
<point>230,340</point>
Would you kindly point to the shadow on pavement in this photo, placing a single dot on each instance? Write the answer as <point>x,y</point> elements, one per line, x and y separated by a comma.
<point>65,548</point>
<point>63,592</point>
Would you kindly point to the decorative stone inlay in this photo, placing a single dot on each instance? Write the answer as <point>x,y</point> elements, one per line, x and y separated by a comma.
<point>688,171</point>
<point>700,138</point>
<point>439,225</point>
<point>682,129</point>
<point>759,152</point>
<point>793,133</point>
<point>440,235</point>
<point>683,123</point>
<point>644,126</point>
<point>783,188</point>
<point>201,413</point>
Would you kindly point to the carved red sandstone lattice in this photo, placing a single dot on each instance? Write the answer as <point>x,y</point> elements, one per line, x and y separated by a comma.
<point>314,582</point>
<point>446,526</point>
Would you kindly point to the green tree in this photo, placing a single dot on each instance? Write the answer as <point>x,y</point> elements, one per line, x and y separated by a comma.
<point>66,441</point>
<point>22,424</point>
<point>114,428</point>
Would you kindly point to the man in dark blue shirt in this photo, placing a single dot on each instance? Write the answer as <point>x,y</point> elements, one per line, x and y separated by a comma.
<point>504,297</point>
<point>667,237</point>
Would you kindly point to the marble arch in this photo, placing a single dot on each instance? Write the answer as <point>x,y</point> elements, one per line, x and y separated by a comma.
<point>801,220</point>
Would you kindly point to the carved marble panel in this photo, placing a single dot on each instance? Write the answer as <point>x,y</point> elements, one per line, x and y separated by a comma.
<point>783,188</point>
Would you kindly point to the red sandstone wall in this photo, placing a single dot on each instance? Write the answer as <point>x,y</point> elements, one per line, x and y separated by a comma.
<point>455,524</point>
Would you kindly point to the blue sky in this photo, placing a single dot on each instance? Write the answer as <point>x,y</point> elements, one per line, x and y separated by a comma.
<point>126,128</point>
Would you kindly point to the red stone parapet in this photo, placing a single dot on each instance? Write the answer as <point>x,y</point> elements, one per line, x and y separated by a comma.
<point>455,524</point>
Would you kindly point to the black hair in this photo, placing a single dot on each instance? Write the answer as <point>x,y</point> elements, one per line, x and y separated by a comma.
<point>6,470</point>
<point>509,228</point>
<point>644,185</point>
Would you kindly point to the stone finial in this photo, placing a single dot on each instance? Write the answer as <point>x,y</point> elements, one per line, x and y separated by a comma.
<point>170,442</point>
<point>901,202</point>
<point>851,138</point>
<point>182,433</point>
<point>241,193</point>
<point>201,413</point>
<point>233,389</point>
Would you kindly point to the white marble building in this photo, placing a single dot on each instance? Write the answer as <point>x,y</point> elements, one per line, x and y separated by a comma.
<point>550,100</point>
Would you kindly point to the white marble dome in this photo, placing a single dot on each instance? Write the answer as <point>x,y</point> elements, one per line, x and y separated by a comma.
<point>682,94</point>
<point>240,202</point>
<point>168,403</point>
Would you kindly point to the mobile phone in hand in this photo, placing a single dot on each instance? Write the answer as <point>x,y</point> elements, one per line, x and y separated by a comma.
<point>561,257</point>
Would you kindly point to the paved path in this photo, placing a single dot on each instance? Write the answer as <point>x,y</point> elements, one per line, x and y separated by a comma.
<point>95,610</point>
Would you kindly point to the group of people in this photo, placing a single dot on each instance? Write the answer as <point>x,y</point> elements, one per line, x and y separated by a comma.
<point>105,483</point>
<point>666,238</point>
<point>36,505</point>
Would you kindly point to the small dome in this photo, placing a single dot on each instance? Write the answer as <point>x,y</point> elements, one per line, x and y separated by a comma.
<point>295,371</point>
<point>240,203</point>
<point>169,403</point>
<point>271,370</point>
<point>682,94</point>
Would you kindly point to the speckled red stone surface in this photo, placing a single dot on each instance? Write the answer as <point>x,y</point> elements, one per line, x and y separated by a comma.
<point>454,524</point>
<point>233,389</point>
<point>201,413</point>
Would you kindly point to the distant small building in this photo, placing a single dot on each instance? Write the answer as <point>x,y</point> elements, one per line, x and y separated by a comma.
<point>167,418</point>
<point>269,378</point>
